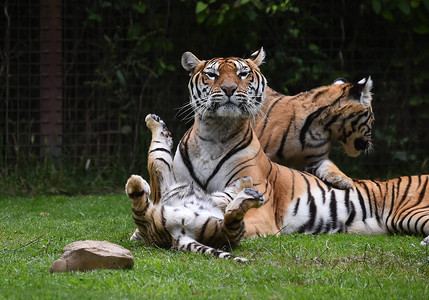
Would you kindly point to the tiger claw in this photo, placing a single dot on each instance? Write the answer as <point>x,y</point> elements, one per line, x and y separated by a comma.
<point>255,194</point>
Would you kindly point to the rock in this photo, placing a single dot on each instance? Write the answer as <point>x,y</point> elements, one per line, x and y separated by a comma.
<point>92,255</point>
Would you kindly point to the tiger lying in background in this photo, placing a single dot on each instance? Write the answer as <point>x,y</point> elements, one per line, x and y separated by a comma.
<point>221,146</point>
<point>296,131</point>
<point>186,218</point>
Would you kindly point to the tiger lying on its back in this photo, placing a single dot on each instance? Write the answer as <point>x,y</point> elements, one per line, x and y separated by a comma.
<point>186,218</point>
<point>296,131</point>
<point>221,146</point>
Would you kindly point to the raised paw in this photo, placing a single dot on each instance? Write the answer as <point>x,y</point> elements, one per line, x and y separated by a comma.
<point>153,121</point>
<point>136,186</point>
<point>245,200</point>
<point>159,129</point>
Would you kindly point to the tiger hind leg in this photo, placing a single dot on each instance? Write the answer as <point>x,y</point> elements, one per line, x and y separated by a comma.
<point>138,190</point>
<point>187,244</point>
<point>160,160</point>
<point>329,173</point>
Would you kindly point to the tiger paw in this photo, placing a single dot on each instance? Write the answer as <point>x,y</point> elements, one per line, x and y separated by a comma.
<point>339,182</point>
<point>158,127</point>
<point>136,187</point>
<point>245,200</point>
<point>425,242</point>
<point>329,173</point>
<point>135,237</point>
<point>256,195</point>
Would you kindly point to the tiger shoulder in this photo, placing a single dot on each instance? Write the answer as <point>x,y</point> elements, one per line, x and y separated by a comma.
<point>297,131</point>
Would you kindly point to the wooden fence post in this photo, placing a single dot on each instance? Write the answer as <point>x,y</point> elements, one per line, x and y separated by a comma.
<point>51,77</point>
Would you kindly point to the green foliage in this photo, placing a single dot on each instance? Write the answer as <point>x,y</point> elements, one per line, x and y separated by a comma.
<point>33,177</point>
<point>122,61</point>
<point>413,13</point>
<point>34,230</point>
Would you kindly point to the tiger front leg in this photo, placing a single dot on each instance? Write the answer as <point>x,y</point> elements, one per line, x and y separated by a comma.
<point>160,160</point>
<point>329,173</point>
<point>138,190</point>
<point>233,223</point>
<point>222,199</point>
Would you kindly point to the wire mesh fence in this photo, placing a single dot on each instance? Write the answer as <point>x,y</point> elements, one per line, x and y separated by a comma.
<point>78,77</point>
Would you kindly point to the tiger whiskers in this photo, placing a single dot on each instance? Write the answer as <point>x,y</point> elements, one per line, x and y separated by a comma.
<point>370,149</point>
<point>187,111</point>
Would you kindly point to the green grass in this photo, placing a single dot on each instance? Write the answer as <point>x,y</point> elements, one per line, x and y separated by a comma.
<point>34,230</point>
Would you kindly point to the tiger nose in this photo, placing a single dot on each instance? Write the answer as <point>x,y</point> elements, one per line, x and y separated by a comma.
<point>229,89</point>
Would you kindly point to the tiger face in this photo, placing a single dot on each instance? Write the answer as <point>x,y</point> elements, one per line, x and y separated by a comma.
<point>355,131</point>
<point>226,87</point>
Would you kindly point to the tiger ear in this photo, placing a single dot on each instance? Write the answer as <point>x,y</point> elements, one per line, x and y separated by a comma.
<point>362,91</point>
<point>258,56</point>
<point>190,61</point>
<point>339,81</point>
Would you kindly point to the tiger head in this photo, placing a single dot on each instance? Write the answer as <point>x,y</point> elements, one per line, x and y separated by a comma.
<point>226,87</point>
<point>355,130</point>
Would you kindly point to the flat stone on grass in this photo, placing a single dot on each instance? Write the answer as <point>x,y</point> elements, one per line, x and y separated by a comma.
<point>93,255</point>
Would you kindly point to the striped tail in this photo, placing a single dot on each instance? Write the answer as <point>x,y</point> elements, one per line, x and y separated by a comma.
<point>187,244</point>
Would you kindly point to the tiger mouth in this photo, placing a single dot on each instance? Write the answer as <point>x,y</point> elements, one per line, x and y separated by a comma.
<point>362,145</point>
<point>227,105</point>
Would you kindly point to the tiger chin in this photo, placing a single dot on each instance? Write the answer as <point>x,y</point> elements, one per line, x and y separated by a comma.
<point>184,217</point>
<point>297,131</point>
<point>221,147</point>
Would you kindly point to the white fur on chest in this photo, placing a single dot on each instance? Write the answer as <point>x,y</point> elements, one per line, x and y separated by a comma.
<point>189,215</point>
<point>211,165</point>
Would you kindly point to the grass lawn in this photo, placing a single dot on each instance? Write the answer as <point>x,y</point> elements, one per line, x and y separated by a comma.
<point>33,232</point>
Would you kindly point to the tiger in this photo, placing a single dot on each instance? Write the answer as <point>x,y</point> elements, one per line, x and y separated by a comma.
<point>296,131</point>
<point>185,217</point>
<point>221,145</point>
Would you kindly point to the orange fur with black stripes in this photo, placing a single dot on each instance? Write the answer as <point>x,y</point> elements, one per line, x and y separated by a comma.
<point>186,218</point>
<point>221,146</point>
<point>296,131</point>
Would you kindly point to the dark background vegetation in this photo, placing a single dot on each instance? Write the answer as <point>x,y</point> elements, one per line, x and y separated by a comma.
<point>121,61</point>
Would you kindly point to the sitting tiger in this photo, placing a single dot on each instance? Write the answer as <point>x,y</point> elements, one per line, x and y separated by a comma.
<point>296,131</point>
<point>186,218</point>
<point>226,93</point>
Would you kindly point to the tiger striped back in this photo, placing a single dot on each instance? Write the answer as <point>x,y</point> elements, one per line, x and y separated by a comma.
<point>296,131</point>
<point>221,146</point>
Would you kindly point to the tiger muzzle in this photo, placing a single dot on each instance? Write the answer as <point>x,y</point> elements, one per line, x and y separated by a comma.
<point>361,144</point>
